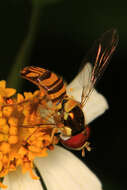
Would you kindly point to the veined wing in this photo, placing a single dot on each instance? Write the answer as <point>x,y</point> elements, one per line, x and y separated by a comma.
<point>94,66</point>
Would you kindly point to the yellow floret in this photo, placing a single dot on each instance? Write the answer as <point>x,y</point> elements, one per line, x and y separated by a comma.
<point>2,121</point>
<point>1,165</point>
<point>3,137</point>
<point>13,139</point>
<point>10,92</point>
<point>5,147</point>
<point>13,130</point>
<point>2,84</point>
<point>7,111</point>
<point>6,92</point>
<point>13,121</point>
<point>20,98</point>
<point>4,128</point>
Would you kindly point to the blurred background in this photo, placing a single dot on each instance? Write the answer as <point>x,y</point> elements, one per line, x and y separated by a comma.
<point>56,34</point>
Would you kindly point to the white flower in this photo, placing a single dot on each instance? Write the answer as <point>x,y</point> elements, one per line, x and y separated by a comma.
<point>61,170</point>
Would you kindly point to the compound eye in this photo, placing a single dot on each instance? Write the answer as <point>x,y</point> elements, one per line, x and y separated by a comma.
<point>75,120</point>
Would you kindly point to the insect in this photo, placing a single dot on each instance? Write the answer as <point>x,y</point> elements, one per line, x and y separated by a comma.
<point>68,112</point>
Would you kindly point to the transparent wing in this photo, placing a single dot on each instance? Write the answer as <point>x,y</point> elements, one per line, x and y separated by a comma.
<point>96,62</point>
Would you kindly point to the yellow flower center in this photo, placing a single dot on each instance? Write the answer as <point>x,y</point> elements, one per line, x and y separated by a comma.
<point>23,135</point>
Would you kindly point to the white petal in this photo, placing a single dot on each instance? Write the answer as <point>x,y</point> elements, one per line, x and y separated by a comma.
<point>61,170</point>
<point>95,106</point>
<point>18,181</point>
<point>96,103</point>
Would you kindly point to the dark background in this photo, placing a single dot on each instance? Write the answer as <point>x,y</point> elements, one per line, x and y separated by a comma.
<point>57,38</point>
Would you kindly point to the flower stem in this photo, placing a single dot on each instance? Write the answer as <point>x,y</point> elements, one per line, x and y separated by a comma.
<point>23,57</point>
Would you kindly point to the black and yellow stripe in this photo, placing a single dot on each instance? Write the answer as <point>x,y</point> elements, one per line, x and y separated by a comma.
<point>53,84</point>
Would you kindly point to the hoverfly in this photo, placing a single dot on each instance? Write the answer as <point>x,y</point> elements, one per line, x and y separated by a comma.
<point>68,112</point>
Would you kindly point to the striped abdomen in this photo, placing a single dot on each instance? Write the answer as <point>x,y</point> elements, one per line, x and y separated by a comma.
<point>46,79</point>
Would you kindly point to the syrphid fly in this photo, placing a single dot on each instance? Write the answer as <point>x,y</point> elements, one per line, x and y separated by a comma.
<point>65,114</point>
